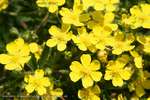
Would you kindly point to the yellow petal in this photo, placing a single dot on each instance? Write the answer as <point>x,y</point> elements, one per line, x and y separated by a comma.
<point>108,75</point>
<point>117,51</point>
<point>19,42</point>
<point>82,94</point>
<point>34,47</point>
<point>39,73</point>
<point>96,90</point>
<point>146,25</point>
<point>85,59</point>
<point>76,66</point>
<point>60,2</point>
<point>96,76</point>
<point>95,97</point>
<point>25,50</point>
<point>139,91</point>
<point>12,48</point>
<point>99,6</point>
<point>42,3</point>
<point>109,17</point>
<point>54,30</point>
<point>30,88</point>
<point>82,47</point>
<point>57,92</point>
<point>65,28</point>
<point>138,62</point>
<point>23,60</point>
<point>95,65</point>
<point>45,82</point>
<point>64,11</point>
<point>5,59</point>
<point>117,81</point>
<point>51,42</point>
<point>87,81</point>
<point>12,66</point>
<point>52,8</point>
<point>110,7</point>
<point>61,46</point>
<point>75,76</point>
<point>126,74</point>
<point>41,90</point>
<point>146,84</point>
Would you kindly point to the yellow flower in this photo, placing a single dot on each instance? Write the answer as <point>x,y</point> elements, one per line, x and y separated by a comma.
<point>91,93</point>
<point>83,40</point>
<point>121,43</point>
<point>87,70</point>
<point>17,56</point>
<point>111,5</point>
<point>3,4</point>
<point>137,59</point>
<point>139,16</point>
<point>60,37</point>
<point>108,5</point>
<point>52,93</point>
<point>140,83</point>
<point>121,97</point>
<point>102,28</point>
<point>101,40</point>
<point>104,21</point>
<point>37,82</point>
<point>52,5</point>
<point>117,72</point>
<point>35,49</point>
<point>72,16</point>
<point>145,41</point>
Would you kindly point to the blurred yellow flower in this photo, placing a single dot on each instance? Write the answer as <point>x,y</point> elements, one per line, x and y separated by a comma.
<point>3,4</point>
<point>84,40</point>
<point>140,16</point>
<point>52,5</point>
<point>72,16</point>
<point>145,41</point>
<point>117,72</point>
<point>37,82</point>
<point>35,49</point>
<point>137,59</point>
<point>140,83</point>
<point>91,93</point>
<point>87,70</point>
<point>17,55</point>
<point>108,5</point>
<point>121,43</point>
<point>52,93</point>
<point>60,37</point>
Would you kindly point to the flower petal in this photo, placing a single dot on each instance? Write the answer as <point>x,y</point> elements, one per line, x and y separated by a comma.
<point>39,73</point>
<point>75,76</point>
<point>95,65</point>
<point>85,59</point>
<point>87,81</point>
<point>30,88</point>
<point>13,66</point>
<point>96,76</point>
<point>5,59</point>
<point>51,42</point>
<point>75,66</point>
<point>126,74</point>
<point>117,81</point>
<point>61,46</point>
<point>108,75</point>
<point>41,90</point>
